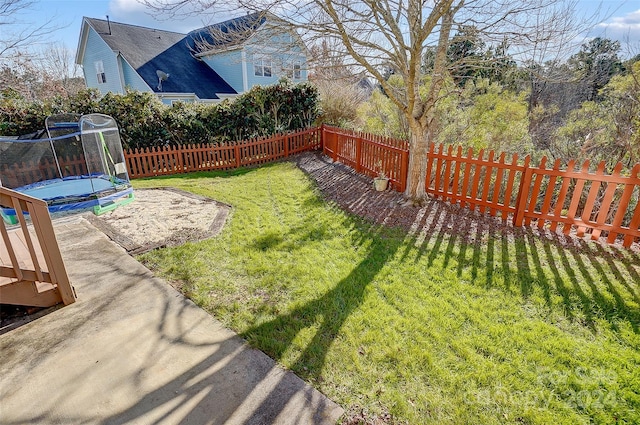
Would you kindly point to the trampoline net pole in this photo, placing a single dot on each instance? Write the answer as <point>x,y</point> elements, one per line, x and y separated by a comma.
<point>55,155</point>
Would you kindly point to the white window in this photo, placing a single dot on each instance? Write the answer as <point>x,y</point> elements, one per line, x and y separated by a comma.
<point>297,70</point>
<point>293,70</point>
<point>262,65</point>
<point>102,77</point>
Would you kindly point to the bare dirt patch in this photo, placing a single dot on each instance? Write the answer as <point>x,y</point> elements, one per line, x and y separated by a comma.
<point>162,217</point>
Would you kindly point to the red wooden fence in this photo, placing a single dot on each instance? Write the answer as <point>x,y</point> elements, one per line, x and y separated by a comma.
<point>573,198</point>
<point>28,172</point>
<point>590,202</point>
<point>368,154</point>
<point>151,162</point>
<point>597,203</point>
<point>485,184</point>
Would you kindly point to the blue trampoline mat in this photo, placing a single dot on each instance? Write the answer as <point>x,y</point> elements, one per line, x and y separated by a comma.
<point>75,193</point>
<point>77,187</point>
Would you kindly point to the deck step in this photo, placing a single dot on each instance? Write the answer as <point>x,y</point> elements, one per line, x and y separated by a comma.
<point>37,294</point>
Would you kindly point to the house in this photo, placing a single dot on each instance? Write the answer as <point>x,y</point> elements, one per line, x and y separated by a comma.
<point>205,65</point>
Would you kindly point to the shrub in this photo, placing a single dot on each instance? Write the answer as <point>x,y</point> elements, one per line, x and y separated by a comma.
<point>144,121</point>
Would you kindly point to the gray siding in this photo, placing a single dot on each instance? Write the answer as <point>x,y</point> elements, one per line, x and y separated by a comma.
<point>98,50</point>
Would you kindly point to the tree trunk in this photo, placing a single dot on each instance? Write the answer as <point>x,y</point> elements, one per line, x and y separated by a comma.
<point>417,172</point>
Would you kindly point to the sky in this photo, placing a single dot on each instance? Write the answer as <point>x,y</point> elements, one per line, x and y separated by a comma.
<point>620,19</point>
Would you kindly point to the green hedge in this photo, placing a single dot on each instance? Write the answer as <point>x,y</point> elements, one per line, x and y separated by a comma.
<point>145,121</point>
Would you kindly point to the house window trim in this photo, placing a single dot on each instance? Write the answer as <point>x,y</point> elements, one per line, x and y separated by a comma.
<point>101,77</point>
<point>292,69</point>
<point>262,63</point>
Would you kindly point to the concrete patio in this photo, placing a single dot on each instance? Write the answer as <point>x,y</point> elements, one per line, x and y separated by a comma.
<point>134,350</point>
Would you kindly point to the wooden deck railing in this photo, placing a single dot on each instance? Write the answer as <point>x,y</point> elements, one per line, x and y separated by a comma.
<point>31,268</point>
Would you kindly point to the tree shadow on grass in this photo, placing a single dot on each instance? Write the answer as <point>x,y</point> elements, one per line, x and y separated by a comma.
<point>137,353</point>
<point>327,312</point>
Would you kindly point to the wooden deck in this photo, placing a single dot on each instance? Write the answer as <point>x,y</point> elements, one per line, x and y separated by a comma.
<point>32,272</point>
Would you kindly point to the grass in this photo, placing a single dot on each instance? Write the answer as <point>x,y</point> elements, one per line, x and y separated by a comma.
<point>425,328</point>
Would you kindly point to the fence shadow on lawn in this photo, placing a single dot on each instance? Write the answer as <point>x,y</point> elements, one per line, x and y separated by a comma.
<point>596,283</point>
<point>587,276</point>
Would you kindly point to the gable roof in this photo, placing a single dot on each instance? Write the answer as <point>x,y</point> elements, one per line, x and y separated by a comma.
<point>226,34</point>
<point>148,50</point>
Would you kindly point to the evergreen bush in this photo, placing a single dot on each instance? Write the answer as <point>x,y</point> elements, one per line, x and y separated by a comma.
<point>145,121</point>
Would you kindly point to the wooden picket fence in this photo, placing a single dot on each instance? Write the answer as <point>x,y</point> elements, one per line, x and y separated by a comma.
<point>508,187</point>
<point>368,154</point>
<point>27,172</point>
<point>485,184</point>
<point>598,204</point>
<point>589,202</point>
<point>157,161</point>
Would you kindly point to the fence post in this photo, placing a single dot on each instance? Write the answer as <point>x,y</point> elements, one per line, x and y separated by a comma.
<point>236,150</point>
<point>523,193</point>
<point>404,169</point>
<point>358,154</point>
<point>323,136</point>
<point>318,142</point>
<point>285,140</point>
<point>179,152</point>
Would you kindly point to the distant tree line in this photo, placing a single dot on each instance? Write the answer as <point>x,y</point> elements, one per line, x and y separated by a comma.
<point>584,107</point>
<point>145,121</point>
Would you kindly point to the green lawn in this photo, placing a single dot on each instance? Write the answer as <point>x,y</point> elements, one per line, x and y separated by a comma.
<point>428,329</point>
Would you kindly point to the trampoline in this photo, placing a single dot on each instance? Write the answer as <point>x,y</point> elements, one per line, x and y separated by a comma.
<point>76,164</point>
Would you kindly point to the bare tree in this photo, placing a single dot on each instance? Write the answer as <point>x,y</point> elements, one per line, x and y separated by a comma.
<point>58,64</point>
<point>376,35</point>
<point>16,34</point>
<point>44,75</point>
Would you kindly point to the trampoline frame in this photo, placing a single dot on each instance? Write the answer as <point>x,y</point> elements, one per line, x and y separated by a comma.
<point>100,200</point>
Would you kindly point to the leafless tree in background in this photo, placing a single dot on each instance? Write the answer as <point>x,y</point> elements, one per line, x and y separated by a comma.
<point>17,34</point>
<point>375,35</point>
<point>58,63</point>
<point>42,75</point>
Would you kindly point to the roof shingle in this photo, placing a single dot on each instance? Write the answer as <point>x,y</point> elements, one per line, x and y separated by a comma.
<point>148,50</point>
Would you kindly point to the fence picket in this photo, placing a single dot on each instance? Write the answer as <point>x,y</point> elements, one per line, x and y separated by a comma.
<point>591,199</point>
<point>546,203</point>
<point>439,162</point>
<point>523,192</point>
<point>446,180</point>
<point>564,190</point>
<point>465,181</point>
<point>456,175</point>
<point>495,199</point>
<point>477,171</point>
<point>487,181</point>
<point>575,199</point>
<point>633,226</point>
<point>606,203</point>
<point>535,190</point>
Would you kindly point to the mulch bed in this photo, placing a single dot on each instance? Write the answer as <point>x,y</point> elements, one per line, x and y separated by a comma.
<point>354,193</point>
